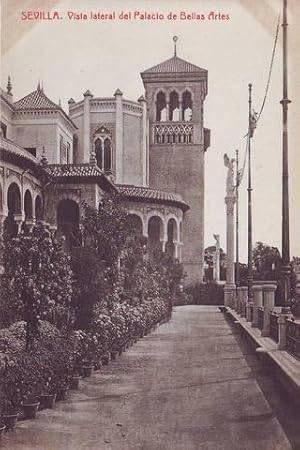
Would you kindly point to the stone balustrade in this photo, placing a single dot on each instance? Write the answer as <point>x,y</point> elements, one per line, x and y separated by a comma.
<point>274,321</point>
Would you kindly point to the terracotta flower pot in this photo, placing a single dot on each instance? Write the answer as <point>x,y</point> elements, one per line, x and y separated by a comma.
<point>62,393</point>
<point>97,365</point>
<point>74,382</point>
<point>10,421</point>
<point>48,400</point>
<point>113,356</point>
<point>2,429</point>
<point>87,371</point>
<point>30,409</point>
<point>105,360</point>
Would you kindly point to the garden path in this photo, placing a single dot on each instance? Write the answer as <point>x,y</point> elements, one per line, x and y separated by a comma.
<point>192,384</point>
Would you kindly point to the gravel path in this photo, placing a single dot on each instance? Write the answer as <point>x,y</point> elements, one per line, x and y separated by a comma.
<point>192,384</point>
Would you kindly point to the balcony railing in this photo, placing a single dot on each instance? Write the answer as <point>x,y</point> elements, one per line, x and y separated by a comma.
<point>293,337</point>
<point>173,133</point>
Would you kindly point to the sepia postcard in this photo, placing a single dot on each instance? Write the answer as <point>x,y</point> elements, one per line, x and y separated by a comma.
<point>149,221</point>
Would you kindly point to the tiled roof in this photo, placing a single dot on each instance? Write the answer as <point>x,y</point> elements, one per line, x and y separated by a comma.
<point>155,195</point>
<point>35,100</point>
<point>73,170</point>
<point>13,148</point>
<point>174,65</point>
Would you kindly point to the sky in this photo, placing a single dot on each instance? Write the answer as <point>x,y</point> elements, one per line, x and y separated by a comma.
<point>71,56</point>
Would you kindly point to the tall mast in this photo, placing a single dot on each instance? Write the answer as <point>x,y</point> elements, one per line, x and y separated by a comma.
<point>250,251</point>
<point>286,269</point>
<point>237,267</point>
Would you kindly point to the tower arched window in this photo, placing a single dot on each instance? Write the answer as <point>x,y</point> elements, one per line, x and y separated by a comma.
<point>161,107</point>
<point>103,152</point>
<point>98,152</point>
<point>107,154</point>
<point>187,106</point>
<point>174,107</point>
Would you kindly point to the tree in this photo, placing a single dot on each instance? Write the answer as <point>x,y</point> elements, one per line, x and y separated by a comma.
<point>37,279</point>
<point>267,261</point>
<point>96,264</point>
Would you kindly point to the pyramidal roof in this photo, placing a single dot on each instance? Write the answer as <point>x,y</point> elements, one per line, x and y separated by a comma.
<point>35,100</point>
<point>175,65</point>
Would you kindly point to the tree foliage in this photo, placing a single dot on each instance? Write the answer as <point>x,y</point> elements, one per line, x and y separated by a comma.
<point>37,278</point>
<point>267,261</point>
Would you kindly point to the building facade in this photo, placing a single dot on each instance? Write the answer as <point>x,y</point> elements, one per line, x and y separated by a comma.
<point>151,151</point>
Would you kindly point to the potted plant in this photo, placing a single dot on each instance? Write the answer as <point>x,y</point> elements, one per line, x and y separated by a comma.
<point>30,407</point>
<point>48,396</point>
<point>2,429</point>
<point>10,414</point>
<point>105,359</point>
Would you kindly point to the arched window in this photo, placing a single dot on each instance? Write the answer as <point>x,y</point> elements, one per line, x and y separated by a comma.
<point>98,152</point>
<point>187,106</point>
<point>103,152</point>
<point>174,107</point>
<point>161,110</point>
<point>14,199</point>
<point>107,155</point>
<point>155,230</point>
<point>38,208</point>
<point>28,205</point>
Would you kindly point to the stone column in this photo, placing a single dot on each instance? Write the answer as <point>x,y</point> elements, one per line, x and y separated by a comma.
<point>217,258</point>
<point>167,112</point>
<point>268,303</point>
<point>145,228</point>
<point>86,126</point>
<point>229,290</point>
<point>176,245</point>
<point>119,137</point>
<point>180,111</point>
<point>144,146</point>
<point>19,219</point>
<point>164,238</point>
<point>257,302</point>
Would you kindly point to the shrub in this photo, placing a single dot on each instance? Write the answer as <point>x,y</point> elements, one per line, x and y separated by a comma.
<point>206,294</point>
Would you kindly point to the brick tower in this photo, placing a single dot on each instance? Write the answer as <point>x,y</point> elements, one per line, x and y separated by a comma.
<point>175,91</point>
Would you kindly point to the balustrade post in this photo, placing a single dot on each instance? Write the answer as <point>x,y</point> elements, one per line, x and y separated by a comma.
<point>239,300</point>
<point>244,295</point>
<point>268,303</point>
<point>282,330</point>
<point>257,302</point>
<point>248,311</point>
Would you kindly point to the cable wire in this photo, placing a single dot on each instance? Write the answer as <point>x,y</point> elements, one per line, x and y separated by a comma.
<point>270,71</point>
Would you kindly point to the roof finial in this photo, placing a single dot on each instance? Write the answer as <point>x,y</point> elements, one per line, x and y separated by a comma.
<point>9,85</point>
<point>175,39</point>
<point>39,86</point>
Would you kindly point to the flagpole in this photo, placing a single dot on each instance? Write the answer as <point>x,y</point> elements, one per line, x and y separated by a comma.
<point>237,267</point>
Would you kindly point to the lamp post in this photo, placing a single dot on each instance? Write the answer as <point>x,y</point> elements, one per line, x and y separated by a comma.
<point>286,267</point>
